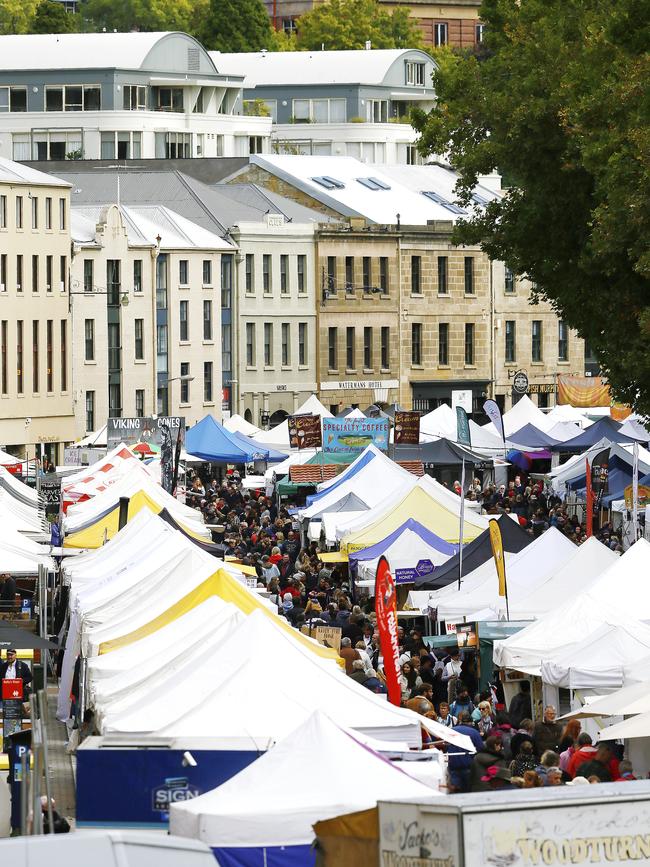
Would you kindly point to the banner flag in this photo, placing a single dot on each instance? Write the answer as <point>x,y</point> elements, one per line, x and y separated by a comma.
<point>590,501</point>
<point>635,491</point>
<point>599,476</point>
<point>492,411</point>
<point>462,427</point>
<point>386,610</point>
<point>497,551</point>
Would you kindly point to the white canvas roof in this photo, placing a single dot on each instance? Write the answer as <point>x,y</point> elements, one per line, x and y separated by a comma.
<point>564,430</point>
<point>19,489</point>
<point>403,553</point>
<point>275,800</point>
<point>579,572</point>
<point>597,661</point>
<point>634,727</point>
<point>635,428</point>
<point>238,424</point>
<point>522,413</point>
<point>527,571</point>
<point>95,438</point>
<point>631,699</point>
<point>441,422</point>
<point>210,697</point>
<point>105,464</point>
<point>574,468</point>
<point>278,436</point>
<point>19,516</point>
<point>424,599</point>
<point>625,583</point>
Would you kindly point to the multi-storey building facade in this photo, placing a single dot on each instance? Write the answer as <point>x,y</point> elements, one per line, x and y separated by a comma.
<point>456,23</point>
<point>35,343</point>
<point>120,96</point>
<point>146,314</point>
<point>350,103</point>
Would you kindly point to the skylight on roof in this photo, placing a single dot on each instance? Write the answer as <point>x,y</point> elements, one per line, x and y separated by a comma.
<point>480,199</point>
<point>438,199</point>
<point>373,183</point>
<point>328,182</point>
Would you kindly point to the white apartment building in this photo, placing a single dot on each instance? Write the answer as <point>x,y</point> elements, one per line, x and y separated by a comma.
<point>146,314</point>
<point>276,315</point>
<point>120,96</point>
<point>36,413</point>
<point>345,103</point>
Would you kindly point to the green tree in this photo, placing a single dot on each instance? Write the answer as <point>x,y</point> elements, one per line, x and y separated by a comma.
<point>151,15</point>
<point>51,17</point>
<point>559,103</point>
<point>237,25</point>
<point>16,15</point>
<point>348,24</point>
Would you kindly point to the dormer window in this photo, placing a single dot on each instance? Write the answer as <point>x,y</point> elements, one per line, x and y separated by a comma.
<point>415,73</point>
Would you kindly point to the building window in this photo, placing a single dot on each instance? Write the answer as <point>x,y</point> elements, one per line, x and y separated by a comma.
<point>416,343</point>
<point>19,212</point>
<point>49,359</point>
<point>367,273</point>
<point>226,347</point>
<point>286,343</point>
<point>63,273</point>
<point>34,212</point>
<point>168,98</point>
<point>207,320</point>
<point>134,97</point>
<point>35,360</point>
<point>48,213</point>
<point>250,274</point>
<point>331,273</point>
<point>479,31</point>
<point>207,272</point>
<point>114,400</point>
<point>367,348</point>
<point>250,344</point>
<point>226,280</point>
<point>440,33</point>
<point>469,343</point>
<point>377,110</point>
<point>350,348</point>
<point>255,144</point>
<point>137,275</point>
<point>302,343</point>
<point>139,402</point>
<point>185,383</point>
<point>184,329</point>
<point>73,97</point>
<point>139,339</point>
<point>88,275</point>
<point>284,274</point>
<point>121,145</point>
<point>268,344</point>
<point>469,275</point>
<point>509,286</point>
<point>536,333</point>
<point>90,411</point>
<point>385,348</point>
<point>383,274</point>
<point>114,347</point>
<point>443,344</point>
<point>62,215</point>
<point>89,339</point>
<point>19,273</point>
<point>3,351</point>
<point>35,286</point>
<point>562,341</point>
<point>49,267</point>
<point>302,269</point>
<point>266,274</point>
<point>183,272</point>
<point>349,273</point>
<point>319,111</point>
<point>443,283</point>
<point>415,73</point>
<point>64,355</point>
<point>19,357</point>
<point>332,348</point>
<point>13,99</point>
<point>207,382</point>
<point>511,353</point>
<point>416,271</point>
<point>3,272</point>
<point>3,212</point>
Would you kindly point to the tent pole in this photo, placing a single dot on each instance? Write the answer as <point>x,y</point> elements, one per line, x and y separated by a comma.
<point>462,523</point>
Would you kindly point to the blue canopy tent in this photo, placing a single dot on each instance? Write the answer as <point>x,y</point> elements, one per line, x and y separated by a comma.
<point>533,438</point>
<point>604,428</point>
<point>363,460</point>
<point>211,441</point>
<point>619,491</point>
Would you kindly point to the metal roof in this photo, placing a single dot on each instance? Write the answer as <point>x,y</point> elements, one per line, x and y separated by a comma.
<point>16,173</point>
<point>315,67</point>
<point>55,51</point>
<point>266,201</point>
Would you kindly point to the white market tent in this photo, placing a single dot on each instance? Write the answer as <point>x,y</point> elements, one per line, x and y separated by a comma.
<point>211,697</point>
<point>577,575</point>
<point>631,699</point>
<point>103,465</point>
<point>636,428</point>
<point>564,430</point>
<point>404,549</point>
<point>19,490</point>
<point>625,584</point>
<point>278,436</point>
<point>276,800</point>
<point>16,560</point>
<point>522,413</point>
<point>442,422</point>
<point>96,438</point>
<point>597,662</point>
<point>527,571</point>
<point>237,424</point>
<point>575,414</point>
<point>634,727</point>
<point>19,516</point>
<point>574,467</point>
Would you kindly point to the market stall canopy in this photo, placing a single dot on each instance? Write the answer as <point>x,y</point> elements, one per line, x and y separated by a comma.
<point>572,472</point>
<point>567,413</point>
<point>21,639</point>
<point>97,438</point>
<point>238,424</point>
<point>625,583</point>
<point>411,550</point>
<point>605,428</point>
<point>349,502</point>
<point>631,699</point>
<point>564,430</point>
<point>532,437</point>
<point>211,441</point>
<point>636,428</point>
<point>278,436</point>
<point>441,453</point>
<point>251,814</point>
<point>634,727</point>
<point>522,413</point>
<point>19,490</point>
<point>442,422</point>
<point>479,551</point>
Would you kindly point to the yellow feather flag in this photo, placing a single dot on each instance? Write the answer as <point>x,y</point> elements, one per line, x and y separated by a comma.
<point>497,551</point>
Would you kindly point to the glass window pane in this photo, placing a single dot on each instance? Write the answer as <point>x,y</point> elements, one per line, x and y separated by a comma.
<point>319,110</point>
<point>54,99</point>
<point>73,99</point>
<point>108,146</point>
<point>338,110</point>
<point>92,98</point>
<point>301,109</point>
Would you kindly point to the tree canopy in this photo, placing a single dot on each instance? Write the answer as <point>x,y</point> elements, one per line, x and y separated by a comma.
<point>16,15</point>
<point>559,103</point>
<point>237,25</point>
<point>348,24</point>
<point>51,17</point>
<point>126,15</point>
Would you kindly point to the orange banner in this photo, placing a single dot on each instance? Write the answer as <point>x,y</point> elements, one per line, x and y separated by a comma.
<point>582,391</point>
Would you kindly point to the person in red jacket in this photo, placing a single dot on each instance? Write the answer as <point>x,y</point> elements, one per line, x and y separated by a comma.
<point>585,753</point>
